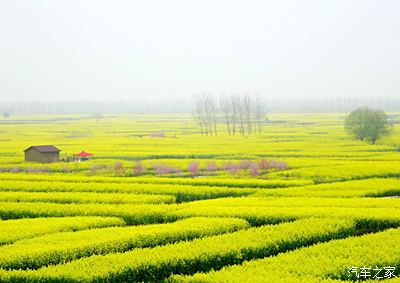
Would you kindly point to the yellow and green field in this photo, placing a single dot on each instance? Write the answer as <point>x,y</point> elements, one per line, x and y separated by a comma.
<point>328,202</point>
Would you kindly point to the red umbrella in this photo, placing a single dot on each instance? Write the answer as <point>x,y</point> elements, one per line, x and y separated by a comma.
<point>83,154</point>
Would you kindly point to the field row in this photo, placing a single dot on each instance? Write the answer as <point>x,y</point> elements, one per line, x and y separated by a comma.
<point>348,189</point>
<point>215,252</point>
<point>13,230</point>
<point>74,192</point>
<point>85,197</point>
<point>65,246</point>
<point>349,171</point>
<point>257,213</point>
<point>325,262</point>
<point>204,181</point>
<point>181,192</point>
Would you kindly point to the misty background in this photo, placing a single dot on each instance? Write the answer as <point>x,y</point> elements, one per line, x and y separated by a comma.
<point>153,56</point>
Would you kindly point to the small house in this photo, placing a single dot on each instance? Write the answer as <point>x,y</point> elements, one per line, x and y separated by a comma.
<point>42,154</point>
<point>82,156</point>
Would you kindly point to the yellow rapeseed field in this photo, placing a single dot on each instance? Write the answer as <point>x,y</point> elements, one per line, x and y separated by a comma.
<point>157,200</point>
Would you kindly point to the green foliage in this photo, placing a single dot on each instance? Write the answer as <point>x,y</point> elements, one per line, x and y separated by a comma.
<point>62,247</point>
<point>190,257</point>
<point>326,261</point>
<point>180,192</point>
<point>132,214</point>
<point>260,212</point>
<point>367,124</point>
<point>350,189</point>
<point>85,197</point>
<point>13,230</point>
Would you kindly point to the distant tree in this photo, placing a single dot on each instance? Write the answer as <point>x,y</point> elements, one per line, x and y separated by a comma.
<point>231,167</point>
<point>6,115</point>
<point>159,134</point>
<point>245,164</point>
<point>119,168</point>
<point>213,113</point>
<point>194,168</point>
<point>98,117</point>
<point>367,124</point>
<point>225,107</point>
<point>206,114</point>
<point>240,107</point>
<point>259,113</point>
<point>234,106</point>
<point>238,112</point>
<point>254,170</point>
<point>138,168</point>
<point>162,169</point>
<point>248,108</point>
<point>199,114</point>
<point>264,164</point>
<point>211,167</point>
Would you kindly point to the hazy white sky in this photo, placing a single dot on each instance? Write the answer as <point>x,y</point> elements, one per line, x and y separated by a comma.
<point>147,49</point>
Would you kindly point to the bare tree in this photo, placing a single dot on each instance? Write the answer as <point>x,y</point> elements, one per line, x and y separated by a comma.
<point>224,103</point>
<point>207,114</point>
<point>233,114</point>
<point>240,107</point>
<point>98,117</point>
<point>213,110</point>
<point>138,168</point>
<point>258,113</point>
<point>199,113</point>
<point>247,109</point>
<point>239,112</point>
<point>194,168</point>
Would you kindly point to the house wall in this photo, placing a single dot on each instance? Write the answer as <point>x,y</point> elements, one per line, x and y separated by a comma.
<point>50,157</point>
<point>32,155</point>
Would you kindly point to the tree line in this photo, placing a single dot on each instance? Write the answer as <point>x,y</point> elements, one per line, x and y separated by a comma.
<point>241,114</point>
<point>275,104</point>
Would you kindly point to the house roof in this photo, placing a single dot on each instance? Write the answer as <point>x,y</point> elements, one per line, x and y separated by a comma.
<point>44,148</point>
<point>83,154</point>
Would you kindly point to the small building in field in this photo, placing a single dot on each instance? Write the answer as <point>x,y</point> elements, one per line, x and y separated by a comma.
<point>82,156</point>
<point>42,154</point>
